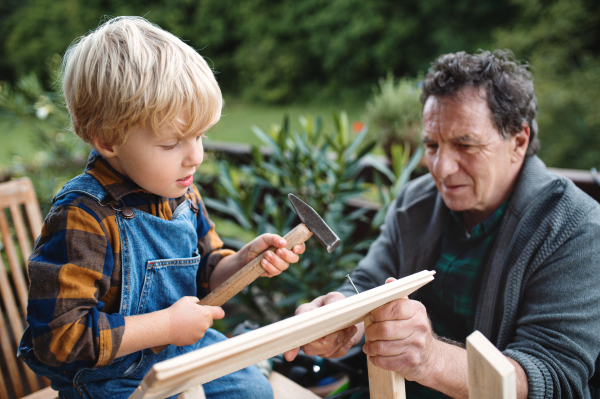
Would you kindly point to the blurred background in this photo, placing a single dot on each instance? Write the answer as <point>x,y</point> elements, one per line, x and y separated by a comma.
<point>314,91</point>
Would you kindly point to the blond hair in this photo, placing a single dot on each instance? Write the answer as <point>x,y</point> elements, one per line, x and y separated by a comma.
<point>128,73</point>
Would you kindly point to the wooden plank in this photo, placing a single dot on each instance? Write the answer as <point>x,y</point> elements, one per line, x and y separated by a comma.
<point>178,374</point>
<point>46,393</point>
<point>384,384</point>
<point>284,388</point>
<point>491,374</point>
<point>193,393</point>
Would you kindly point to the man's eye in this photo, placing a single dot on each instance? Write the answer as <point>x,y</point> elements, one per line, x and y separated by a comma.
<point>431,146</point>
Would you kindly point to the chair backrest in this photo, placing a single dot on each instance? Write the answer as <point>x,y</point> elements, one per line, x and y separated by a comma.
<point>20,225</point>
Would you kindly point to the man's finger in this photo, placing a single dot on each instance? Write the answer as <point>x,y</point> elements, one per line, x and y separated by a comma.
<point>399,309</point>
<point>291,355</point>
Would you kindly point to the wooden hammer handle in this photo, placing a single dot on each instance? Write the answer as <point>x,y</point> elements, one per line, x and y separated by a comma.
<point>252,270</point>
<point>246,275</point>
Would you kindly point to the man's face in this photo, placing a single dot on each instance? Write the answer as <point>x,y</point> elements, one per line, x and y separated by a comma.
<point>163,164</point>
<point>473,166</point>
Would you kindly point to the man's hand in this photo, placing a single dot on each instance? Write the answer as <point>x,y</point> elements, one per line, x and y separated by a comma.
<point>189,321</point>
<point>273,263</point>
<point>333,345</point>
<point>400,338</point>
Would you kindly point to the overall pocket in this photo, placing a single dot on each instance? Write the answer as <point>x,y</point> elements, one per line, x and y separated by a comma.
<point>166,281</point>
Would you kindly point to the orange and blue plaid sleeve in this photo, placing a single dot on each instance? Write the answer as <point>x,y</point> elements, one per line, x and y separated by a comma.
<point>210,247</point>
<point>70,274</point>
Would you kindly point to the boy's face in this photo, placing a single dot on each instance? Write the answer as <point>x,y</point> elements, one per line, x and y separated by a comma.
<point>163,163</point>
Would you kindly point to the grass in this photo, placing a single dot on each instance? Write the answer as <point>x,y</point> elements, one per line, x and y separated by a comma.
<point>238,118</point>
<point>234,126</point>
<point>14,140</point>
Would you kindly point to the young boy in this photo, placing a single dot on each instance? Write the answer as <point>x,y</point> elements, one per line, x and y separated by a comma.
<point>128,246</point>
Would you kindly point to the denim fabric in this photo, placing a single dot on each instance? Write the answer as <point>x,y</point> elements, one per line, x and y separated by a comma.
<point>159,265</point>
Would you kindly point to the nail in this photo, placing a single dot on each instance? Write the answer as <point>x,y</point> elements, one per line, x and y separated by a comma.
<point>280,252</point>
<point>348,277</point>
<point>281,243</point>
<point>371,318</point>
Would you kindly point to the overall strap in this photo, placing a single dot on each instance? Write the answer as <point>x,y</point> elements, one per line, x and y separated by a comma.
<point>83,184</point>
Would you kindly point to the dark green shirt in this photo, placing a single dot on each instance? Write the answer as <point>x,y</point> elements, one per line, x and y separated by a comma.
<point>451,299</point>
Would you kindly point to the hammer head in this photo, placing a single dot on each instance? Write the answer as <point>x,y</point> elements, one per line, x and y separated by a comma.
<point>315,223</point>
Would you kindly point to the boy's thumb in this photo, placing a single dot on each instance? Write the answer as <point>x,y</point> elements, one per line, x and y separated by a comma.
<point>216,312</point>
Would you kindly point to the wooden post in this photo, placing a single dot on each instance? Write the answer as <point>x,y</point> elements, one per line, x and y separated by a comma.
<point>491,374</point>
<point>384,384</point>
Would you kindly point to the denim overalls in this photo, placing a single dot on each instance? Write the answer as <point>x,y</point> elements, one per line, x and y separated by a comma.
<point>159,264</point>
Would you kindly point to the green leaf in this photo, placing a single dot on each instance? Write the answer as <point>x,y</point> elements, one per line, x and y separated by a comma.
<point>266,139</point>
<point>409,168</point>
<point>380,166</point>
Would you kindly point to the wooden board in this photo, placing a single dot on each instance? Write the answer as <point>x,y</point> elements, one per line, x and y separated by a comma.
<point>491,374</point>
<point>384,384</point>
<point>178,374</point>
<point>284,388</point>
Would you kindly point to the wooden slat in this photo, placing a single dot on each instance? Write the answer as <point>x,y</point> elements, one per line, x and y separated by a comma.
<point>8,351</point>
<point>491,374</point>
<point>13,261</point>
<point>9,302</point>
<point>46,393</point>
<point>384,384</point>
<point>178,374</point>
<point>3,387</point>
<point>284,388</point>
<point>21,231</point>
<point>15,192</point>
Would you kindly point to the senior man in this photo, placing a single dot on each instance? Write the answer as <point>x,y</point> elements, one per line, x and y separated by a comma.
<point>515,248</point>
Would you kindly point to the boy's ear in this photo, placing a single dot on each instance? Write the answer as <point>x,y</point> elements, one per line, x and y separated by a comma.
<point>105,149</point>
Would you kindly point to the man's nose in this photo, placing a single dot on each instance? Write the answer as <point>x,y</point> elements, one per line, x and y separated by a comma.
<point>445,163</point>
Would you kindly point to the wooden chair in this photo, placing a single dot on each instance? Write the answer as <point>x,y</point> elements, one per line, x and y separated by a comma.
<point>20,225</point>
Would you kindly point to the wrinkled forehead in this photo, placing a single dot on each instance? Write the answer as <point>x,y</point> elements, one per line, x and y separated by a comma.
<point>466,112</point>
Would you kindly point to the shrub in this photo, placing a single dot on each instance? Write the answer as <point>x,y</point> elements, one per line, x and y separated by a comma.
<point>59,155</point>
<point>394,112</point>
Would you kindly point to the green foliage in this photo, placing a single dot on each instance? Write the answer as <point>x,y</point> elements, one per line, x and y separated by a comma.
<point>394,112</point>
<point>560,39</point>
<point>59,156</point>
<point>323,170</point>
<point>270,51</point>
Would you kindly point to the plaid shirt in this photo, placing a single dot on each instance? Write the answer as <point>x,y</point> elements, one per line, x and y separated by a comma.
<point>451,299</point>
<point>75,270</point>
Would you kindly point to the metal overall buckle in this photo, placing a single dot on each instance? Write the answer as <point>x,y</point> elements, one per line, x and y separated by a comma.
<point>126,211</point>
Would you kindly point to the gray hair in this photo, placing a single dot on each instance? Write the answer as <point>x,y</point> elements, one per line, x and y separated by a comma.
<point>507,83</point>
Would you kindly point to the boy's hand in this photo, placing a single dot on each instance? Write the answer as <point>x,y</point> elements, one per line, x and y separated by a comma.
<point>188,321</point>
<point>273,263</point>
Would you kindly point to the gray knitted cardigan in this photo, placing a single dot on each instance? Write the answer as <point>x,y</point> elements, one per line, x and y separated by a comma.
<point>540,296</point>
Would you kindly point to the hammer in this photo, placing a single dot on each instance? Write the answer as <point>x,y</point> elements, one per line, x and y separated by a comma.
<point>312,224</point>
